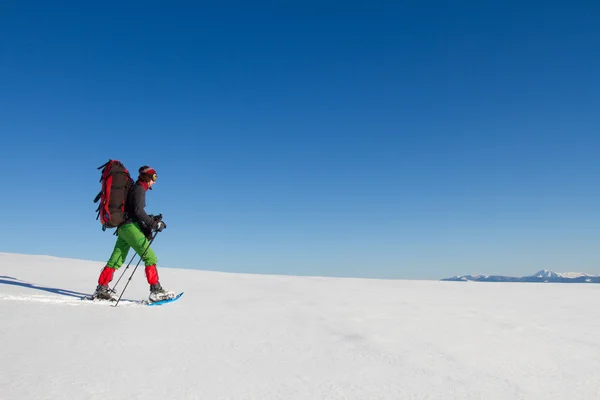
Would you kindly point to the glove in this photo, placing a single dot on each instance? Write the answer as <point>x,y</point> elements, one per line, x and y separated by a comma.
<point>147,231</point>
<point>159,226</point>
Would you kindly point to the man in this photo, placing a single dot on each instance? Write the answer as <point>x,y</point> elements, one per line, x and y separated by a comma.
<point>134,232</point>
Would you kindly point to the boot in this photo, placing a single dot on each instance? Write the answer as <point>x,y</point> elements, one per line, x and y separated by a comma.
<point>157,293</point>
<point>104,293</point>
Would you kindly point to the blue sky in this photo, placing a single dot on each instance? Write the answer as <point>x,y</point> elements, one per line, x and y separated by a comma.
<point>361,139</point>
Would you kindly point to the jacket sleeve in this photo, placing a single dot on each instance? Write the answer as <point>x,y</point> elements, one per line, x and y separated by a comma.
<point>138,203</point>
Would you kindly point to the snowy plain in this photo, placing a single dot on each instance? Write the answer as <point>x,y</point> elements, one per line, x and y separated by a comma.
<point>242,336</point>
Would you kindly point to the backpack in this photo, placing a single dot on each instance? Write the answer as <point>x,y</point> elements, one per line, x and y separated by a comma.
<point>116,182</point>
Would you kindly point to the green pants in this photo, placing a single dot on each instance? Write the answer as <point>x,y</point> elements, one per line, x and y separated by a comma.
<point>130,235</point>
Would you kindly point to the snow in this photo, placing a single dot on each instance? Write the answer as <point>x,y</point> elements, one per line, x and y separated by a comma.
<point>550,274</point>
<point>546,274</point>
<point>572,275</point>
<point>237,336</point>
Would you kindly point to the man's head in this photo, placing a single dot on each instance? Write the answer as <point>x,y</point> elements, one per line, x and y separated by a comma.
<point>148,175</point>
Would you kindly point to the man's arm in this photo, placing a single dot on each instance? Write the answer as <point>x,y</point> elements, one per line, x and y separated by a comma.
<point>139,202</point>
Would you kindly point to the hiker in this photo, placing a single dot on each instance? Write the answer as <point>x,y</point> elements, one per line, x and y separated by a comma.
<point>134,232</point>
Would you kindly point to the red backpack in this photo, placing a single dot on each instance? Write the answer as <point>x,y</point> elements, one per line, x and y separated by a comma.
<point>116,182</point>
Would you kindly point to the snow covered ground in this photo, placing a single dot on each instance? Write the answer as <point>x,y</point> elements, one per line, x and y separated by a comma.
<point>234,336</point>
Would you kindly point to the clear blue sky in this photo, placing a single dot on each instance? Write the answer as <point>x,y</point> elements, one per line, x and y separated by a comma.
<point>396,139</point>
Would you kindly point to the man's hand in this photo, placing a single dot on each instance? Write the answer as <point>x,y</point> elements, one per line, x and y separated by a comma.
<point>160,225</point>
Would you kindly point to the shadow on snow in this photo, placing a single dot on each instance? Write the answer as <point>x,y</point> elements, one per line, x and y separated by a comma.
<point>7,280</point>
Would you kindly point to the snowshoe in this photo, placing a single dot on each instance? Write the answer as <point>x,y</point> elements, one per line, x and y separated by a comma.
<point>104,293</point>
<point>157,293</point>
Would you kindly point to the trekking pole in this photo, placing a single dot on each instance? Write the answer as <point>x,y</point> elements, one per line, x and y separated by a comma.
<point>114,288</point>
<point>136,267</point>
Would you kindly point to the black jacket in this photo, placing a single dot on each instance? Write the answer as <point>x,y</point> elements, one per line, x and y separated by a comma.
<point>134,207</point>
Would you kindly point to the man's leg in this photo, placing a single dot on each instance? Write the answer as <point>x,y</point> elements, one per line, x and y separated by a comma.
<point>114,262</point>
<point>119,254</point>
<point>138,241</point>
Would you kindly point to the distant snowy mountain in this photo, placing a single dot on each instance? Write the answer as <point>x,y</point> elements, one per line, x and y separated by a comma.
<point>540,276</point>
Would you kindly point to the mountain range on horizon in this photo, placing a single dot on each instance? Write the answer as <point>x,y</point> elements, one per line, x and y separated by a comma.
<point>541,276</point>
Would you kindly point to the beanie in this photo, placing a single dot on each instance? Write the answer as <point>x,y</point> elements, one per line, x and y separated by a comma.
<point>147,172</point>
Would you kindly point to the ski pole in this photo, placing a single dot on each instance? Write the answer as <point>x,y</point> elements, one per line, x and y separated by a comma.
<point>136,267</point>
<point>114,288</point>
